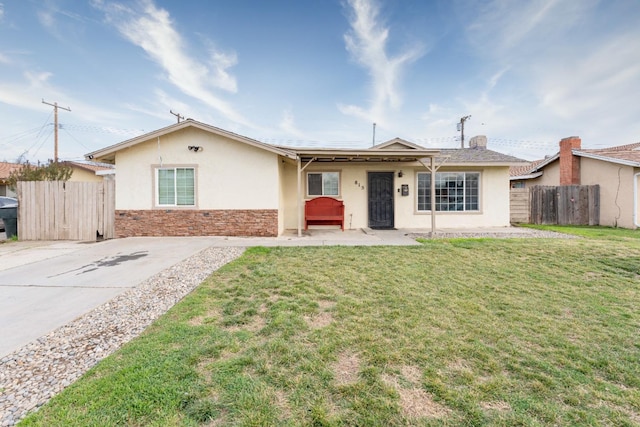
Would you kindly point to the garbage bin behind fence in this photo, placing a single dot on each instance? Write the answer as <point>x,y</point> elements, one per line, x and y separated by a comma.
<point>9,216</point>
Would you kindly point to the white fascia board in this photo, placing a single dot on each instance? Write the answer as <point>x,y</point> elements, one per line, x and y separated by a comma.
<point>606,159</point>
<point>528,176</point>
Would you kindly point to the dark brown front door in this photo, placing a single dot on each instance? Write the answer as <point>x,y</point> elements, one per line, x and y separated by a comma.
<point>381,200</point>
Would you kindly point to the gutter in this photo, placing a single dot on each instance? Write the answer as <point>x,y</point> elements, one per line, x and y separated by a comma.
<point>528,176</point>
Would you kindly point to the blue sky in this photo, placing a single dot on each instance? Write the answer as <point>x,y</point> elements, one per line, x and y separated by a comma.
<point>320,72</point>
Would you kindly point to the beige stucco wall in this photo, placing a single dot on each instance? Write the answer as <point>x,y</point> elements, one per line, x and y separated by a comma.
<point>82,175</point>
<point>551,176</point>
<point>229,174</point>
<point>616,190</point>
<point>494,196</point>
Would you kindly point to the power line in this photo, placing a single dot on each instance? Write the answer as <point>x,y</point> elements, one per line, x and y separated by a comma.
<point>41,144</point>
<point>73,137</point>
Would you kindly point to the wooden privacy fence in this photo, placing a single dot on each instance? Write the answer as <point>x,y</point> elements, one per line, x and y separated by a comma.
<point>519,205</point>
<point>565,204</point>
<point>56,210</point>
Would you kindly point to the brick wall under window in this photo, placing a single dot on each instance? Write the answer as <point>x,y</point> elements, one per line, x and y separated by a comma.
<point>177,222</point>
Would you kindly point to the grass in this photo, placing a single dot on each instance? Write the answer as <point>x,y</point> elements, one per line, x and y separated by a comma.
<point>526,332</point>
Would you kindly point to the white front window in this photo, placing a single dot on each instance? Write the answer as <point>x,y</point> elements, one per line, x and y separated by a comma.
<point>323,183</point>
<point>455,191</point>
<point>175,186</point>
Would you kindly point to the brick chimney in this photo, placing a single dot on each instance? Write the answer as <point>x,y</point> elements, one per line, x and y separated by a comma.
<point>569,164</point>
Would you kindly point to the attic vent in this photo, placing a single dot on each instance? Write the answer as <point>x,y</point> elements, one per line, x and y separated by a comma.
<point>479,141</point>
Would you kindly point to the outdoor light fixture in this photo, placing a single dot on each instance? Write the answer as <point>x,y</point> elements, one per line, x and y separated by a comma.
<point>400,174</point>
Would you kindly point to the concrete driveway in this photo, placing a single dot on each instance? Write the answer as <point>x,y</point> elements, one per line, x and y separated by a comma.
<point>45,285</point>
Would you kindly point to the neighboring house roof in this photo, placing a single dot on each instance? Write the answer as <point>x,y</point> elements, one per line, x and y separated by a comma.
<point>531,169</point>
<point>6,169</point>
<point>108,154</point>
<point>628,155</point>
<point>91,166</point>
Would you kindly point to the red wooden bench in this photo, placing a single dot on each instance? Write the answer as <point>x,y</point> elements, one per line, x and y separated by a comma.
<point>324,211</point>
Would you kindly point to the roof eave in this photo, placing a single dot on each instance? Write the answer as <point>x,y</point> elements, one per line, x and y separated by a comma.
<point>484,163</point>
<point>108,153</point>
<point>528,176</point>
<point>606,158</point>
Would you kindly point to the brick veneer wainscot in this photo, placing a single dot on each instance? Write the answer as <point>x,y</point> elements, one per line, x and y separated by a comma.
<point>179,222</point>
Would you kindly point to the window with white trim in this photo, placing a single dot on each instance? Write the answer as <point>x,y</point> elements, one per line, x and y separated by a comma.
<point>323,183</point>
<point>175,186</point>
<point>455,191</point>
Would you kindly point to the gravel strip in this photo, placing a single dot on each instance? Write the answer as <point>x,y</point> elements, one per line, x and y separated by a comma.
<point>528,234</point>
<point>32,375</point>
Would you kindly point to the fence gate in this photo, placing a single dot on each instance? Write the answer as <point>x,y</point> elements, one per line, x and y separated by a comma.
<point>519,205</point>
<point>565,205</point>
<point>57,210</point>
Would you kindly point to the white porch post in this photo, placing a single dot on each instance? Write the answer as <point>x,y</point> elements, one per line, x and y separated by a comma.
<point>299,197</point>
<point>433,195</point>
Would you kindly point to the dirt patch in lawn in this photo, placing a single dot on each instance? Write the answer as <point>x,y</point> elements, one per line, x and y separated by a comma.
<point>346,369</point>
<point>209,317</point>
<point>319,321</point>
<point>495,406</point>
<point>414,401</point>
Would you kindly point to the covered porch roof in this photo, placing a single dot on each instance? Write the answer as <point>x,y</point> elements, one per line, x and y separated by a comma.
<point>307,156</point>
<point>359,155</point>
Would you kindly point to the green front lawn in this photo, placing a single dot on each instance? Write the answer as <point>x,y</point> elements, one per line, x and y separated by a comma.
<point>456,332</point>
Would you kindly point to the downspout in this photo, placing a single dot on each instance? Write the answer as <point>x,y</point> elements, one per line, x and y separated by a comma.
<point>635,199</point>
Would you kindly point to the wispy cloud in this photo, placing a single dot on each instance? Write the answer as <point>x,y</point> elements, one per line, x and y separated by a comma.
<point>500,28</point>
<point>1,12</point>
<point>596,83</point>
<point>151,28</point>
<point>35,86</point>
<point>161,106</point>
<point>566,69</point>
<point>367,43</point>
<point>288,125</point>
<point>63,29</point>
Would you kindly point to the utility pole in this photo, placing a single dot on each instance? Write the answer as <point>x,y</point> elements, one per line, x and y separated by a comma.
<point>55,124</point>
<point>461,129</point>
<point>178,116</point>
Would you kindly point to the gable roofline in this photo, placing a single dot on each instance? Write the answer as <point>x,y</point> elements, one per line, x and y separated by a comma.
<point>106,153</point>
<point>409,145</point>
<point>601,156</point>
<point>546,162</point>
